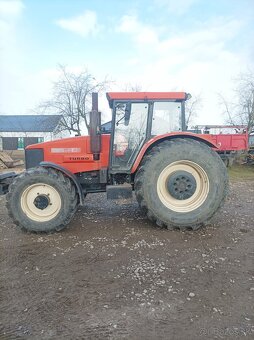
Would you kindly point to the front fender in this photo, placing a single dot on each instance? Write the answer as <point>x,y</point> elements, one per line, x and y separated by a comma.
<point>69,174</point>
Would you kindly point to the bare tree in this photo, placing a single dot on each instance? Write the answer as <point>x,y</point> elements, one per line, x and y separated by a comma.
<point>192,107</point>
<point>129,87</point>
<point>240,111</point>
<point>72,98</point>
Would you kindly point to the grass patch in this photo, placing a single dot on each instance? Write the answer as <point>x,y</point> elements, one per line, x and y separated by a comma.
<point>241,172</point>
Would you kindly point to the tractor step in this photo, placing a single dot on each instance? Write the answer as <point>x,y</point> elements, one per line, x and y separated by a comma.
<point>120,191</point>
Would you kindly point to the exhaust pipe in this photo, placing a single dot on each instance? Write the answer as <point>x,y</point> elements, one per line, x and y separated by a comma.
<point>95,127</point>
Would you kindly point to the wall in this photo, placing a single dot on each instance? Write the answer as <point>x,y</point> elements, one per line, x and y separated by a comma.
<point>19,140</point>
<point>46,135</point>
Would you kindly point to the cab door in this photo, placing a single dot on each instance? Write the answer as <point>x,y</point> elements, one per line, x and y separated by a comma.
<point>130,133</point>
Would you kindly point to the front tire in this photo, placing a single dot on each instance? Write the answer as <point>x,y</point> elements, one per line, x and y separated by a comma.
<point>181,183</point>
<point>42,200</point>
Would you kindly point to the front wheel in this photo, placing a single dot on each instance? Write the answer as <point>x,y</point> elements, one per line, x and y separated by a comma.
<point>42,200</point>
<point>181,183</point>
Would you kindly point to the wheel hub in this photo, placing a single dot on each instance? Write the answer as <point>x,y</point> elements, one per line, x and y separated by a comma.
<point>41,202</point>
<point>195,181</point>
<point>181,185</point>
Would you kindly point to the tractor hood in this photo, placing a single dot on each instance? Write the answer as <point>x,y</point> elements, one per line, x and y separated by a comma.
<point>72,153</point>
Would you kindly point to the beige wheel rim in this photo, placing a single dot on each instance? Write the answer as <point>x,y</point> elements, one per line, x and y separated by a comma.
<point>48,194</point>
<point>197,198</point>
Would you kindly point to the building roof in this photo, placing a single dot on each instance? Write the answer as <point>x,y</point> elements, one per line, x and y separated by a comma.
<point>29,123</point>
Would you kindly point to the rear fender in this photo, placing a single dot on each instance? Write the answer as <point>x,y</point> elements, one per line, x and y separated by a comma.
<point>69,174</point>
<point>206,139</point>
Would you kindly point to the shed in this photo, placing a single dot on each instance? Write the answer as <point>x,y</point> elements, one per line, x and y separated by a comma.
<point>18,131</point>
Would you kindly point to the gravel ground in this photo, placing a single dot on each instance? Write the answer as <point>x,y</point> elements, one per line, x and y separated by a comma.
<point>114,275</point>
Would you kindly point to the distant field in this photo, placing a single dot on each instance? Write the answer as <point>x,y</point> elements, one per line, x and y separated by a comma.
<point>244,172</point>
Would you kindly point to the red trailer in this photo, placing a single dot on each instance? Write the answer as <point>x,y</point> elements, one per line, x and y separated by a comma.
<point>229,139</point>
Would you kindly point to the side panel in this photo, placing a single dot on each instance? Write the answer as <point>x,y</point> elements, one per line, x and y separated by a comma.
<point>207,139</point>
<point>231,142</point>
<point>75,154</point>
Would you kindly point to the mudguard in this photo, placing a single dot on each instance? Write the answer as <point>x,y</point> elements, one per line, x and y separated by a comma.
<point>72,176</point>
<point>207,139</point>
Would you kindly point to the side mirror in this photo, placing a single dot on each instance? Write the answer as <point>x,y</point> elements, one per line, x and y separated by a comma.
<point>127,113</point>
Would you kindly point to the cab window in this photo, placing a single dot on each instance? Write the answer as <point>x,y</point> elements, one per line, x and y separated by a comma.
<point>166,118</point>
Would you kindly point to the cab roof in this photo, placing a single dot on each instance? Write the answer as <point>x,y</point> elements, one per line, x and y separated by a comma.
<point>174,96</point>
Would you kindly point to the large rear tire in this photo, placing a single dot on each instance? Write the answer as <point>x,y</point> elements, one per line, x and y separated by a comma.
<point>181,183</point>
<point>42,200</point>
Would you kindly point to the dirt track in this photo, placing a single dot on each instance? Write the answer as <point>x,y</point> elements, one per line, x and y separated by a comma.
<point>114,275</point>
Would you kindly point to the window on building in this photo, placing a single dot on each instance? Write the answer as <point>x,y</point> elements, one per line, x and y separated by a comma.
<point>21,143</point>
<point>40,139</point>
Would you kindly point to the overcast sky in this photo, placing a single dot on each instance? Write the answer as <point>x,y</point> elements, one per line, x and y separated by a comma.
<point>196,46</point>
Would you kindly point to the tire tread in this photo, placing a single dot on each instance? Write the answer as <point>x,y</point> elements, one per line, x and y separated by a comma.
<point>141,173</point>
<point>57,176</point>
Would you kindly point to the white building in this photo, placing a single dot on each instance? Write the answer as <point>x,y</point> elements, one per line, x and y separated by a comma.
<point>16,132</point>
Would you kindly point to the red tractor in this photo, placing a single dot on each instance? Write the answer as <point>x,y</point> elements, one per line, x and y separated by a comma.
<point>178,178</point>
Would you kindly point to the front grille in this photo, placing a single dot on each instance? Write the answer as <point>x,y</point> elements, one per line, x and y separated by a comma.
<point>33,157</point>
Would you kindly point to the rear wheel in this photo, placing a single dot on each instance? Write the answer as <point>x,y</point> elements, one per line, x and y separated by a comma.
<point>42,200</point>
<point>181,183</point>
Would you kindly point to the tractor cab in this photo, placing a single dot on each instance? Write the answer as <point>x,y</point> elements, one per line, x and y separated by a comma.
<point>137,117</point>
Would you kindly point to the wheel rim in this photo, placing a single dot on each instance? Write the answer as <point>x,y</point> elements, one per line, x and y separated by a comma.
<point>41,202</point>
<point>191,197</point>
